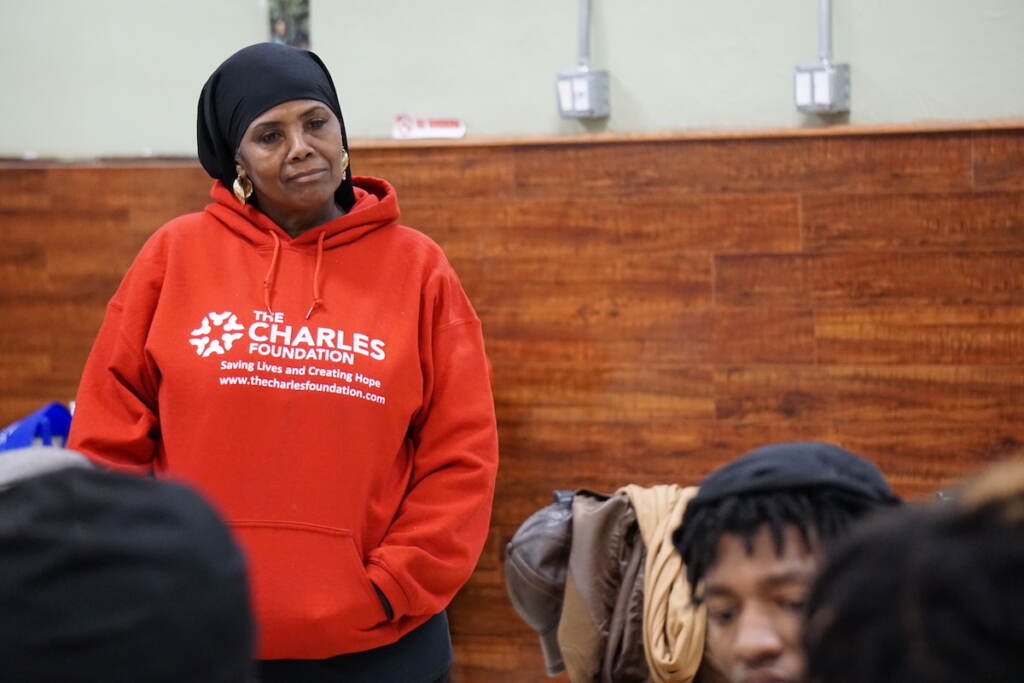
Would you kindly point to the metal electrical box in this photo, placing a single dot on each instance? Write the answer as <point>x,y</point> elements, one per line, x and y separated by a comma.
<point>583,93</point>
<point>822,88</point>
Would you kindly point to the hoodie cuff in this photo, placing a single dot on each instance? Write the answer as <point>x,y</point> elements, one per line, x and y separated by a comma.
<point>387,585</point>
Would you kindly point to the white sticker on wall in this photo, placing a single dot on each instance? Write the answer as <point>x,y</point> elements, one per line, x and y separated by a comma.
<point>408,127</point>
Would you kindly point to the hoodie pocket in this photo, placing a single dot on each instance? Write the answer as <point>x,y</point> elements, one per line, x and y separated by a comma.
<point>309,586</point>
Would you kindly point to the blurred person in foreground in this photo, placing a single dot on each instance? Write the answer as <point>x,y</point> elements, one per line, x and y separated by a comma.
<point>317,370</point>
<point>752,541</point>
<point>928,594</point>
<point>116,578</point>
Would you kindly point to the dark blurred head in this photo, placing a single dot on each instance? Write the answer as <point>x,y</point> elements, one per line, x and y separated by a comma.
<point>752,540</point>
<point>111,577</point>
<point>929,594</point>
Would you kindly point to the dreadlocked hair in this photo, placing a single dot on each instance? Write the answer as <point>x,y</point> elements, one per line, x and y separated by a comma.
<point>931,594</point>
<point>820,514</point>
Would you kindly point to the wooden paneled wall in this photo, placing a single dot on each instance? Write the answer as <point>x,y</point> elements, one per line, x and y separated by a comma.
<point>651,308</point>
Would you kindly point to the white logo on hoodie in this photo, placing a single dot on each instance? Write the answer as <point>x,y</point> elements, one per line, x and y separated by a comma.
<point>229,327</point>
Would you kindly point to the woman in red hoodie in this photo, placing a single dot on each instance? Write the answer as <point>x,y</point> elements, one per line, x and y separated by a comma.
<point>316,369</point>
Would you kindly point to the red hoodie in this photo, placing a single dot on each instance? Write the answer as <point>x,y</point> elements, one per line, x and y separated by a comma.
<point>356,446</point>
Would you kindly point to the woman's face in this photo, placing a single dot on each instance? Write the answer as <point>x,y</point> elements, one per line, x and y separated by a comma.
<point>293,154</point>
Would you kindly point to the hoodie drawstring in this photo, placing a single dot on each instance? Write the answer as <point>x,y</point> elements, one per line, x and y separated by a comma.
<point>317,301</point>
<point>268,281</point>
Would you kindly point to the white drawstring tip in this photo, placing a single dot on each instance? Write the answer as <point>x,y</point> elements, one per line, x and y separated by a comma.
<point>310,311</point>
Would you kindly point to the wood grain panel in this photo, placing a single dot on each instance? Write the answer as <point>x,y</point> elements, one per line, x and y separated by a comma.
<point>902,164</point>
<point>443,173</point>
<point>772,393</point>
<point>660,450</point>
<point>493,658</point>
<point>998,160</point>
<point>23,367</point>
<point>928,394</point>
<point>634,296</point>
<point>464,229</point>
<point>63,257</point>
<point>920,458</point>
<point>571,228</point>
<point>15,254</point>
<point>989,220</point>
<point>41,326</point>
<point>932,335</point>
<point>683,274</point>
<point>603,313</point>
<point>637,391</point>
<point>621,452</point>
<point>499,618</point>
<point>762,335</point>
<point>178,189</point>
<point>690,347</point>
<point>870,279</point>
<point>24,189</point>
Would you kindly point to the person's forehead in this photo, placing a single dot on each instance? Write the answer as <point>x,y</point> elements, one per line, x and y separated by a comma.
<point>289,109</point>
<point>735,569</point>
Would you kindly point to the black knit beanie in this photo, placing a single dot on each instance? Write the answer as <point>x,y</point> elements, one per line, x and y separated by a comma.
<point>796,465</point>
<point>117,578</point>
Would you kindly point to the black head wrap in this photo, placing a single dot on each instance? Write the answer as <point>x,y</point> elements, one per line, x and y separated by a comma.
<point>250,82</point>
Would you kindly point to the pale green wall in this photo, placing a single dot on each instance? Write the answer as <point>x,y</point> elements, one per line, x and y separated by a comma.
<point>121,77</point>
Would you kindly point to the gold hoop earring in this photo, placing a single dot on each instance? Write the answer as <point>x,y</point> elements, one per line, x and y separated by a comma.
<point>344,163</point>
<point>242,188</point>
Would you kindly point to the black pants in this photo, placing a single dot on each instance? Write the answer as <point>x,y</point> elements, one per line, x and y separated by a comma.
<point>423,655</point>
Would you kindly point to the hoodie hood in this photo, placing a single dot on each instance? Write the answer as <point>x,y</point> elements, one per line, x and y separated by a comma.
<point>376,206</point>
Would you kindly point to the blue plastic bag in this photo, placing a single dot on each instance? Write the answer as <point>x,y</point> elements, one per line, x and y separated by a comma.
<point>47,426</point>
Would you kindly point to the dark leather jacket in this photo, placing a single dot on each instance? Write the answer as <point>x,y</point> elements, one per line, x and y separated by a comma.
<point>599,556</point>
<point>601,630</point>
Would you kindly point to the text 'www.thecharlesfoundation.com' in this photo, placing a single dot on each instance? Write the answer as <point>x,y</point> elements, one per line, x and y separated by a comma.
<point>305,385</point>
